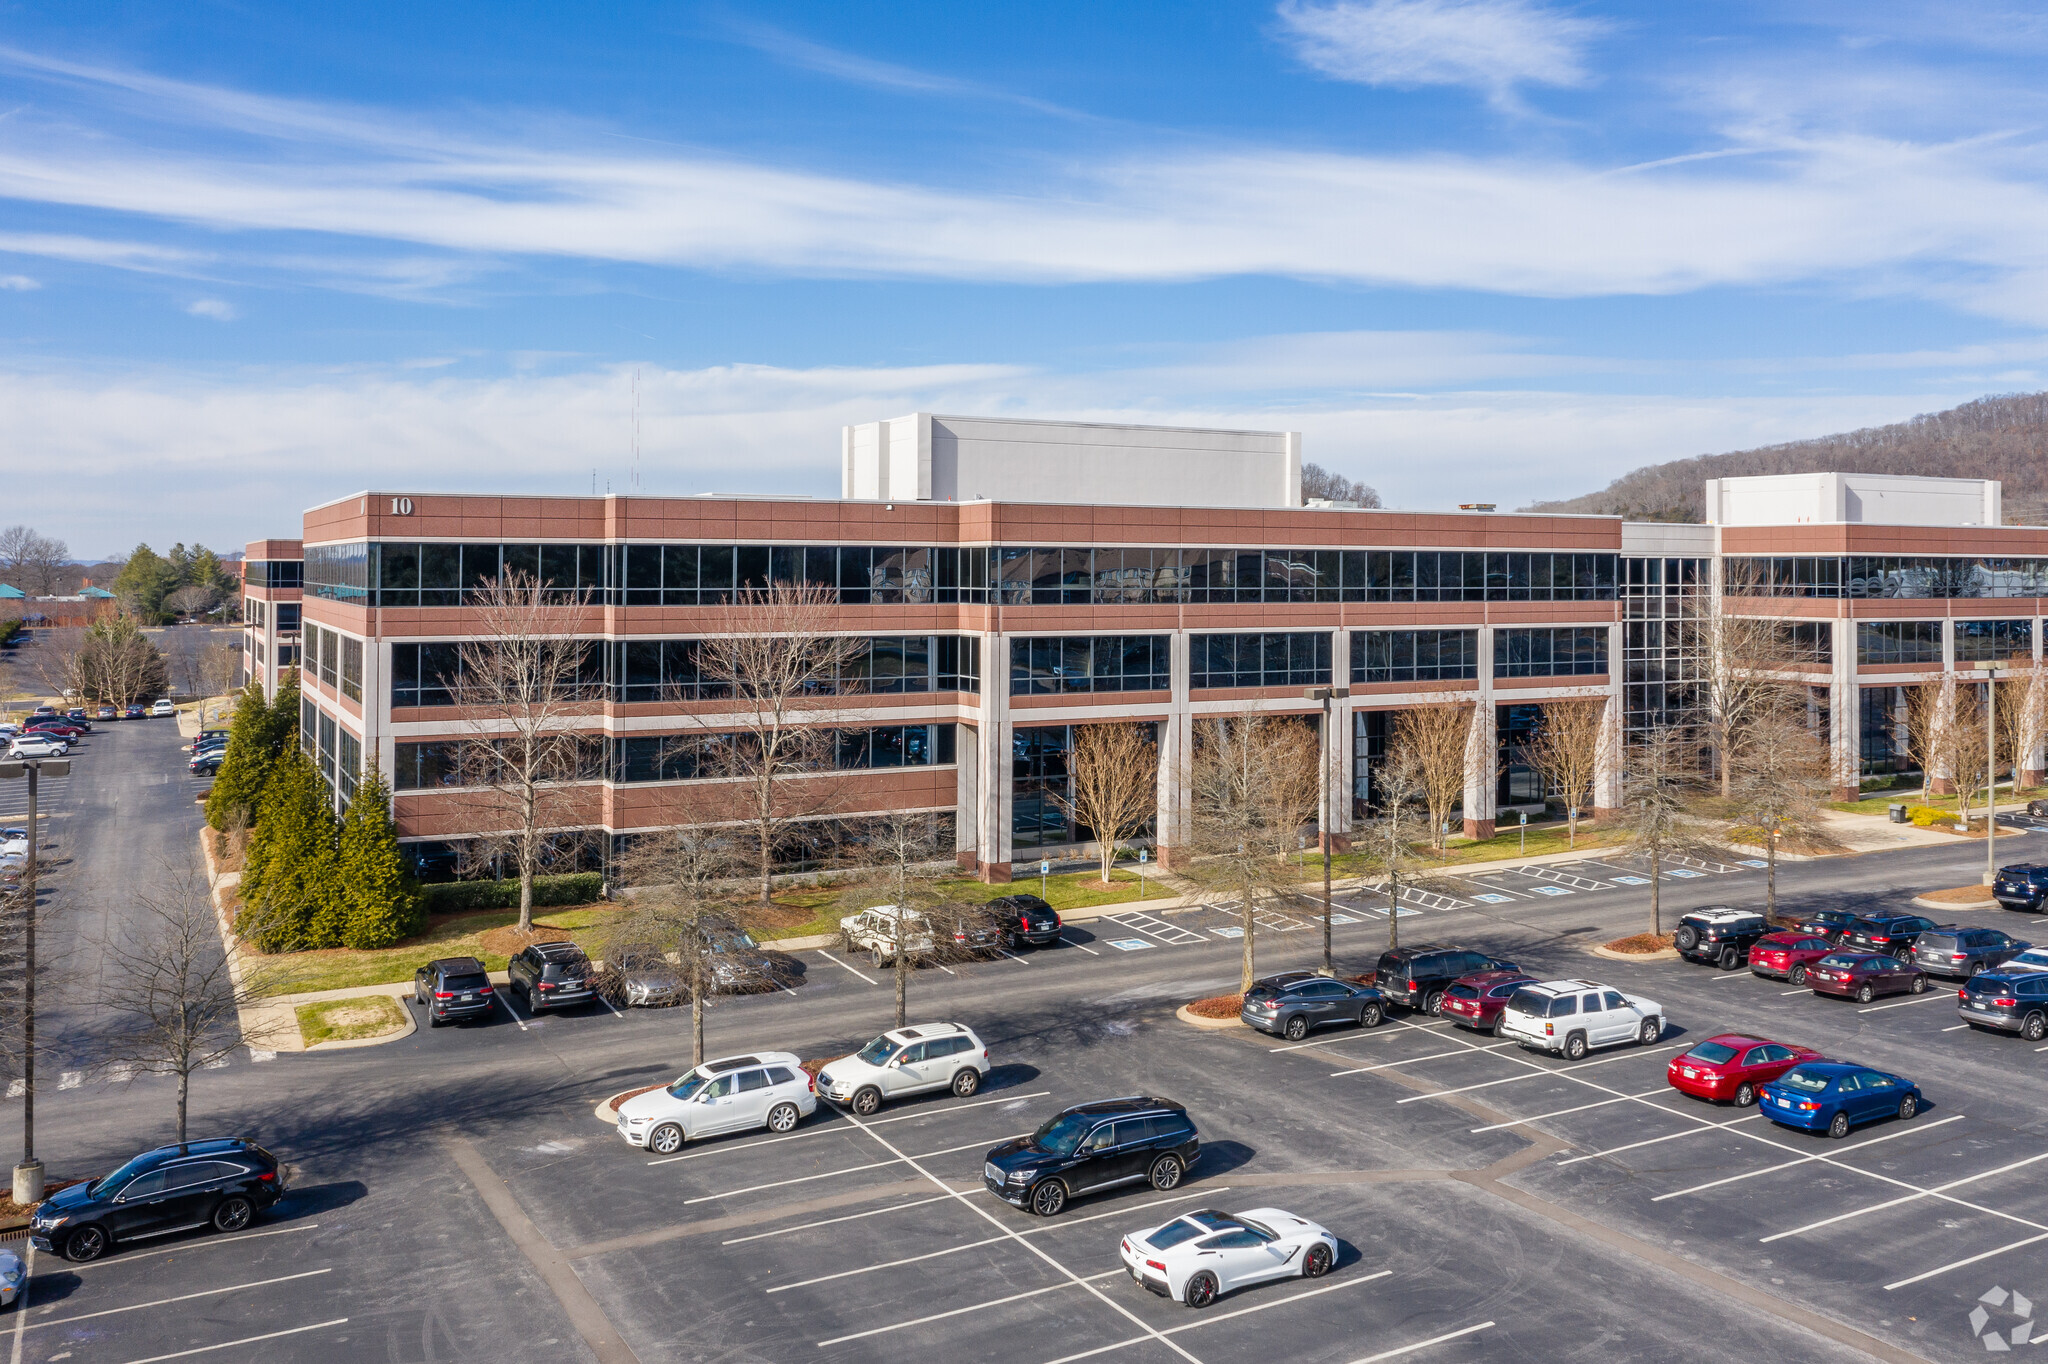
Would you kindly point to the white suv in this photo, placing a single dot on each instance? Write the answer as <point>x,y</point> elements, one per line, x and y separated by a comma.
<point>768,1089</point>
<point>163,707</point>
<point>907,1061</point>
<point>875,931</point>
<point>1568,1018</point>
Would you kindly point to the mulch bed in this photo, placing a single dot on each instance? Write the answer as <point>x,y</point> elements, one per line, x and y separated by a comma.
<point>9,1208</point>
<point>509,941</point>
<point>1217,1006</point>
<point>1641,944</point>
<point>1959,895</point>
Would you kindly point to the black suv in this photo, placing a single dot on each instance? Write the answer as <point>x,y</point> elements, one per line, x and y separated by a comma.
<point>1090,1147</point>
<point>1832,924</point>
<point>1025,919</point>
<point>1291,1003</point>
<point>222,1183</point>
<point>1719,935</point>
<point>2014,1002</point>
<point>2021,886</point>
<point>452,987</point>
<point>550,975</point>
<point>1963,952</point>
<point>1416,977</point>
<point>1891,934</point>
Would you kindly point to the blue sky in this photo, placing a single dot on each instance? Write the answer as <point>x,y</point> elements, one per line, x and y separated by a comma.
<point>254,257</point>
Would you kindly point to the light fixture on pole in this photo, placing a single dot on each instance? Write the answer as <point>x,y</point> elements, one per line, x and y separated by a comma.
<point>1990,667</point>
<point>1325,695</point>
<point>28,1175</point>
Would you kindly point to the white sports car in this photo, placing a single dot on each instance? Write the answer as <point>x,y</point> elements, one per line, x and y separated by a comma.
<point>1199,1256</point>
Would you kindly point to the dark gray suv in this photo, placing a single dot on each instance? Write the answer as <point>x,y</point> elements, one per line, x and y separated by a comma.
<point>452,988</point>
<point>1963,952</point>
<point>1293,1003</point>
<point>550,975</point>
<point>1416,977</point>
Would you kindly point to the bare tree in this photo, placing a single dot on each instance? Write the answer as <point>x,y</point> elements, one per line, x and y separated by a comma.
<point>1657,793</point>
<point>1253,785</point>
<point>900,859</point>
<point>1925,726</point>
<point>2022,716</point>
<point>773,655</point>
<point>681,877</point>
<point>1963,743</point>
<point>1316,481</point>
<point>1390,834</point>
<point>111,661</point>
<point>171,999</point>
<point>192,599</point>
<point>523,693</point>
<point>1782,776</point>
<point>1741,659</point>
<point>1115,774</point>
<point>1567,750</point>
<point>1435,738</point>
<point>218,667</point>
<point>32,562</point>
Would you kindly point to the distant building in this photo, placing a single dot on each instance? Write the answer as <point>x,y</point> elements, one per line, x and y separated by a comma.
<point>270,610</point>
<point>9,592</point>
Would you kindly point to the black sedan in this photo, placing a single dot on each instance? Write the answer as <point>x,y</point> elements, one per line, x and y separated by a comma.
<point>1292,1004</point>
<point>1091,1147</point>
<point>1025,919</point>
<point>222,1184</point>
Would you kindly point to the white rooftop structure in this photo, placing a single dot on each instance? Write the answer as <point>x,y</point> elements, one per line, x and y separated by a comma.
<point>928,458</point>
<point>1851,499</point>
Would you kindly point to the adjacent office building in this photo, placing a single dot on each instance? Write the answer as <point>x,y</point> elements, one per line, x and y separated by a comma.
<point>1009,580</point>
<point>271,593</point>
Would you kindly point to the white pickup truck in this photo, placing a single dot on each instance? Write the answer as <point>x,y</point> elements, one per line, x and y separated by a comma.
<point>879,930</point>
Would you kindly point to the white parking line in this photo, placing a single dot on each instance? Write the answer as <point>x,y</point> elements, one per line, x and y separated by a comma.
<point>1071,943</point>
<point>850,1170</point>
<point>1538,1072</point>
<point>1927,998</point>
<point>1958,1264</point>
<point>1564,1112</point>
<point>842,965</point>
<point>28,1281</point>
<point>1803,1160</point>
<point>1725,975</point>
<point>129,1257</point>
<point>962,1311</point>
<point>826,1131</point>
<point>1431,1056</point>
<point>1802,990</point>
<point>245,1340</point>
<point>1423,1344</point>
<point>182,1297</point>
<point>1652,1141</point>
<point>1210,1319</point>
<point>1908,1198</point>
<point>609,1005</point>
<point>1355,1035</point>
<point>833,1221</point>
<point>505,998</point>
<point>1013,957</point>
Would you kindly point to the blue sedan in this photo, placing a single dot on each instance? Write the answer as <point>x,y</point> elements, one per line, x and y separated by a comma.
<point>1832,1097</point>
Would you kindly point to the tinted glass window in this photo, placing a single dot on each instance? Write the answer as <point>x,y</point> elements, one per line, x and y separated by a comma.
<point>1804,1081</point>
<point>1941,942</point>
<point>1592,1004</point>
<point>144,1186</point>
<point>1392,964</point>
<point>1615,1001</point>
<point>1133,1129</point>
<point>1502,991</point>
<point>752,1080</point>
<point>1464,992</point>
<point>1756,1056</point>
<point>1872,1080</point>
<point>915,1052</point>
<point>198,1172</point>
<point>1849,1084</point>
<point>1062,1134</point>
<point>780,1075</point>
<point>1713,1053</point>
<point>1244,1238</point>
<point>1173,1234</point>
<point>1101,1139</point>
<point>720,1087</point>
<point>464,982</point>
<point>1564,1006</point>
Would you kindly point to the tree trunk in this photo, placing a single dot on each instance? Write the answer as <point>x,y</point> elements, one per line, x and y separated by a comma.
<point>1571,824</point>
<point>1656,909</point>
<point>525,895</point>
<point>1770,874</point>
<point>1108,851</point>
<point>696,1005</point>
<point>1245,973</point>
<point>902,984</point>
<point>184,1093</point>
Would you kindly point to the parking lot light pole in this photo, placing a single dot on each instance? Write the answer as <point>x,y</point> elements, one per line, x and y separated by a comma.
<point>1990,669</point>
<point>28,1175</point>
<point>1326,695</point>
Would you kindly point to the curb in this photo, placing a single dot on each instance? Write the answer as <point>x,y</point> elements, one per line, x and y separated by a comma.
<point>1667,954</point>
<point>1949,906</point>
<point>350,1044</point>
<point>1207,1024</point>
<point>608,1111</point>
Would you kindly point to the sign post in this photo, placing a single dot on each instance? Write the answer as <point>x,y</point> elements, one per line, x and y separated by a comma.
<point>1044,866</point>
<point>1525,833</point>
<point>1142,855</point>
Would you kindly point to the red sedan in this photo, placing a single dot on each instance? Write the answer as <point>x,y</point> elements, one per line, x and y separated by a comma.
<point>1786,956</point>
<point>1863,976</point>
<point>1733,1067</point>
<point>1476,1001</point>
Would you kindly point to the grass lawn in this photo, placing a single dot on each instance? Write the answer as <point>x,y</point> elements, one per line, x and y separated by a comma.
<point>345,1020</point>
<point>1880,802</point>
<point>447,935</point>
<point>1543,838</point>
<point>827,905</point>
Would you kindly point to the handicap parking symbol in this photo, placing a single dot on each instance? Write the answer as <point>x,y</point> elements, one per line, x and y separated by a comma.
<point>1228,932</point>
<point>1129,944</point>
<point>1752,862</point>
<point>1632,880</point>
<point>1492,899</point>
<point>1553,890</point>
<point>1684,871</point>
<point>1342,919</point>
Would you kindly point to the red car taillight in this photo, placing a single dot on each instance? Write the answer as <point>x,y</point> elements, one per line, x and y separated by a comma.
<point>1807,1107</point>
<point>1550,1029</point>
<point>2005,1003</point>
<point>485,990</point>
<point>1154,1264</point>
<point>266,1177</point>
<point>545,985</point>
<point>1880,938</point>
<point>444,994</point>
<point>813,1080</point>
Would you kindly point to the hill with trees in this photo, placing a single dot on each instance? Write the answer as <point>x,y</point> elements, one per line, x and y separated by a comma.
<point>2003,436</point>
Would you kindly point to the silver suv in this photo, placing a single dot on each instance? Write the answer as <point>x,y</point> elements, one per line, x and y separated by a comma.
<point>917,1060</point>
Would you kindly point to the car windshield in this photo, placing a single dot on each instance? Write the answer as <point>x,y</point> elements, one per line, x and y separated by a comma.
<point>1805,1081</point>
<point>1838,959</point>
<point>118,1178</point>
<point>689,1085</point>
<point>1529,1003</point>
<point>1173,1233</point>
<point>1062,1134</point>
<point>1463,992</point>
<point>876,1052</point>
<point>1941,942</point>
<point>1713,1053</point>
<point>464,982</point>
<point>1262,992</point>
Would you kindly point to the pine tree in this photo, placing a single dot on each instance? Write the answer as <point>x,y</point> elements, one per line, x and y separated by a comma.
<point>295,902</point>
<point>383,907</point>
<point>239,783</point>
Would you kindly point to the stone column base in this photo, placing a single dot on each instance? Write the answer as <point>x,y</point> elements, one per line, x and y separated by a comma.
<point>994,873</point>
<point>1339,843</point>
<point>2030,778</point>
<point>1479,828</point>
<point>1169,858</point>
<point>1845,793</point>
<point>966,858</point>
<point>1605,814</point>
<point>1941,786</point>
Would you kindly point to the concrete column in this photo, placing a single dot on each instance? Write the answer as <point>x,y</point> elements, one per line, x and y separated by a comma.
<point>1610,759</point>
<point>994,762</point>
<point>1170,839</point>
<point>1941,777</point>
<point>1845,713</point>
<point>2033,763</point>
<point>1337,746</point>
<point>1482,769</point>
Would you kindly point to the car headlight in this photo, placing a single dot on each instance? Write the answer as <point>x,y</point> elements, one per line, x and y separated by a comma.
<point>1020,1176</point>
<point>825,1078</point>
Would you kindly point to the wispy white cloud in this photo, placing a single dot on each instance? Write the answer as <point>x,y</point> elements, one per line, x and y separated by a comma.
<point>795,50</point>
<point>1490,45</point>
<point>219,309</point>
<point>19,283</point>
<point>97,251</point>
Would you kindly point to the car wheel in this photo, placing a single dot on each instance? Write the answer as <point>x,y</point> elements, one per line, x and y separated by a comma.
<point>85,1244</point>
<point>1201,1290</point>
<point>1499,1020</point>
<point>1920,985</point>
<point>782,1118</point>
<point>1908,1106</point>
<point>2035,1026</point>
<point>1575,1047</point>
<point>1296,1028</point>
<point>1799,975</point>
<point>1902,954</point>
<point>1864,994</point>
<point>1730,959</point>
<point>233,1213</point>
<point>665,1140</point>
<point>1686,938</point>
<point>1317,1262</point>
<point>1434,1004</point>
<point>1652,1029</point>
<point>1371,1016</point>
<point>1049,1198</point>
<point>1838,1126</point>
<point>1745,1095</point>
<point>875,957</point>
<point>966,1082</point>
<point>867,1102</point>
<point>432,1021</point>
<point>1165,1173</point>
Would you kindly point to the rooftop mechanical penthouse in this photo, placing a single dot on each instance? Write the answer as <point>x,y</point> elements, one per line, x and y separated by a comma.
<point>1008,580</point>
